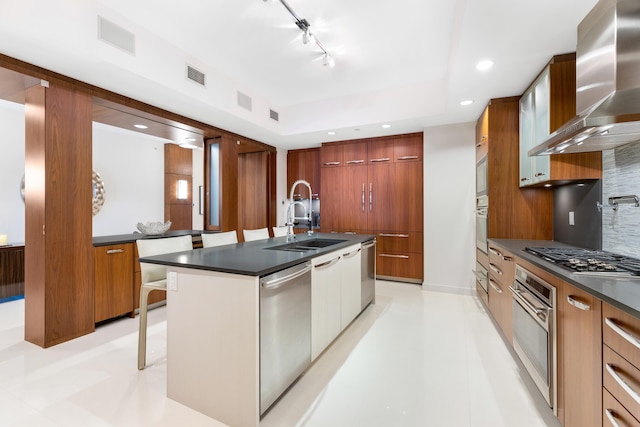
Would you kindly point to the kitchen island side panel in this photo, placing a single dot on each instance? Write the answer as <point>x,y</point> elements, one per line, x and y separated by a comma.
<point>213,345</point>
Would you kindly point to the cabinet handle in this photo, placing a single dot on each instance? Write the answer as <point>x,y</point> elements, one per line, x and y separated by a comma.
<point>354,162</point>
<point>408,157</point>
<point>495,286</point>
<point>578,304</point>
<point>351,254</point>
<point>381,159</point>
<point>114,251</point>
<point>507,258</point>
<point>331,163</point>
<point>539,174</point>
<point>620,331</point>
<point>404,236</point>
<point>524,179</point>
<point>362,198</point>
<point>611,418</point>
<point>370,197</point>
<point>631,392</point>
<point>495,269</point>
<point>395,256</point>
<point>328,263</point>
<point>495,251</point>
<point>478,144</point>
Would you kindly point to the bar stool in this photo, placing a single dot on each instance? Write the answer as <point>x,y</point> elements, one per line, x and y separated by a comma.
<point>218,239</point>
<point>279,231</point>
<point>154,278</point>
<point>257,234</point>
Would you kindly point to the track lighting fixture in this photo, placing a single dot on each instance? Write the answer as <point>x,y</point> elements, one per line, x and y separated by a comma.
<point>307,36</point>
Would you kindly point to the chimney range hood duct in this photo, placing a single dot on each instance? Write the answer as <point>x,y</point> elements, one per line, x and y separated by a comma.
<point>607,82</point>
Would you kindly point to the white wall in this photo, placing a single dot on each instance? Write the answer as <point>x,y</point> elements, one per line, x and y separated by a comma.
<point>449,202</point>
<point>11,170</point>
<point>131,166</point>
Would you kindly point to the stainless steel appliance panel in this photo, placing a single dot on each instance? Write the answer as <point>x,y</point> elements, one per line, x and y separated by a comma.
<point>481,177</point>
<point>285,330</point>
<point>368,273</point>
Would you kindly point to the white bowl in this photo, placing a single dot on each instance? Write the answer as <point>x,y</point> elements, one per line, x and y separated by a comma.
<point>153,228</point>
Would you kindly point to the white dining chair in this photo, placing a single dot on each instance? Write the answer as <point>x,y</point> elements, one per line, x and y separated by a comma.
<point>218,239</point>
<point>154,278</point>
<point>257,234</point>
<point>279,231</point>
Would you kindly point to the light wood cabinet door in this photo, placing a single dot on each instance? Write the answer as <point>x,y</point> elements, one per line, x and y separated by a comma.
<point>580,356</point>
<point>113,281</point>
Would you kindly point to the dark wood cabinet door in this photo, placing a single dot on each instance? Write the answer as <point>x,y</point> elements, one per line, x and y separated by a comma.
<point>331,203</point>
<point>408,148</point>
<point>304,164</point>
<point>331,155</point>
<point>406,197</point>
<point>380,195</point>
<point>355,154</point>
<point>355,202</point>
<point>312,170</point>
<point>113,281</point>
<point>580,352</point>
<point>380,151</point>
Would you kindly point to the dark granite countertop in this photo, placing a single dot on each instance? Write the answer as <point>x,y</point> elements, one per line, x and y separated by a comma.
<point>130,238</point>
<point>253,258</point>
<point>623,293</point>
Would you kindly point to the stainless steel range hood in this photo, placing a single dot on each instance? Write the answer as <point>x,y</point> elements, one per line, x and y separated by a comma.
<point>607,82</point>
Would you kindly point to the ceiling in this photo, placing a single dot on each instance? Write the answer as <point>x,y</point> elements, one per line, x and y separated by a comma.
<point>406,63</point>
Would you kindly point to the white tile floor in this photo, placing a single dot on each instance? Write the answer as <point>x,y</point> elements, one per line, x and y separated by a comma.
<point>415,358</point>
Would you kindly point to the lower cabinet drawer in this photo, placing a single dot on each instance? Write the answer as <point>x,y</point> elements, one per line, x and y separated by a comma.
<point>622,380</point>
<point>399,242</point>
<point>614,414</point>
<point>403,265</point>
<point>621,332</point>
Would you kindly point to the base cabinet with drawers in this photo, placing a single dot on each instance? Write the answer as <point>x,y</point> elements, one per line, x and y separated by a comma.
<point>501,274</point>
<point>620,368</point>
<point>113,280</point>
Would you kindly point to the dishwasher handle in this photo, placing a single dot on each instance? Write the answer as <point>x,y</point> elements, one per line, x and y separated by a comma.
<point>368,245</point>
<point>276,283</point>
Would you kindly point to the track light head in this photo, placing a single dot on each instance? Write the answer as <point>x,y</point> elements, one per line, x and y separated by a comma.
<point>327,60</point>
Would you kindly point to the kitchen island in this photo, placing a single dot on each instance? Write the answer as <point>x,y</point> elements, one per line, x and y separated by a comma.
<point>214,310</point>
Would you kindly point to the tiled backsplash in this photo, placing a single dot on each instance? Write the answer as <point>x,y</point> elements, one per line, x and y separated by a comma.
<point>621,177</point>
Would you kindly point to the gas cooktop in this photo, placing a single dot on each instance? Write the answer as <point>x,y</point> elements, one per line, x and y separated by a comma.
<point>588,261</point>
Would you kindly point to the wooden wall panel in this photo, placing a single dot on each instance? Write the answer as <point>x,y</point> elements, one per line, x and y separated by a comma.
<point>253,191</point>
<point>178,165</point>
<point>59,294</point>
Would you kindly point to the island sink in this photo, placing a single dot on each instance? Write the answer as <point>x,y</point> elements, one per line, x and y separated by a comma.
<point>306,245</point>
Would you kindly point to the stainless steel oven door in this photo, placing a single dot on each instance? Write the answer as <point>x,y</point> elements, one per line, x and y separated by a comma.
<point>481,177</point>
<point>482,214</point>
<point>533,339</point>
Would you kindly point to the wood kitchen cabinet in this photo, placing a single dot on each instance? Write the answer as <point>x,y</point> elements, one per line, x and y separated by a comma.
<point>579,358</point>
<point>546,105</point>
<point>501,274</point>
<point>381,192</point>
<point>621,365</point>
<point>304,164</point>
<point>113,281</point>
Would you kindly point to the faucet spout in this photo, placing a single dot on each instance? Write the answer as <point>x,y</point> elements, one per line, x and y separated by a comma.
<point>291,213</point>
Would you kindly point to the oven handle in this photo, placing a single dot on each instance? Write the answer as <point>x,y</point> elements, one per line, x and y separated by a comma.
<point>631,392</point>
<point>540,313</point>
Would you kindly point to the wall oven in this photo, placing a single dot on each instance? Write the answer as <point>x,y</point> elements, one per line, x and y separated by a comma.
<point>482,213</point>
<point>534,331</point>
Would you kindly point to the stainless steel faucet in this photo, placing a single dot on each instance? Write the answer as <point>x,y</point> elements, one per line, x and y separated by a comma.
<point>291,216</point>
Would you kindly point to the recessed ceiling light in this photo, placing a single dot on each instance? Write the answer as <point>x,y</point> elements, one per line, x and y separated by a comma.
<point>190,139</point>
<point>484,65</point>
<point>386,126</point>
<point>141,126</point>
<point>466,102</point>
<point>547,185</point>
<point>331,133</point>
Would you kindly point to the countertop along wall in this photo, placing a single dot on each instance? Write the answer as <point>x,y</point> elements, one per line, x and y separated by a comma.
<point>621,177</point>
<point>449,208</point>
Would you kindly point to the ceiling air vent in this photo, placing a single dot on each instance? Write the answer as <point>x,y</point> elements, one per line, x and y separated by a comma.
<point>244,101</point>
<point>195,75</point>
<point>274,115</point>
<point>116,36</point>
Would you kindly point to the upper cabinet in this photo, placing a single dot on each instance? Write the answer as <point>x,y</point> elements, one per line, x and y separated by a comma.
<point>546,105</point>
<point>304,164</point>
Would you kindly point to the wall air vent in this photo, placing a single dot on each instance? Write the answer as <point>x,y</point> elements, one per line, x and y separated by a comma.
<point>116,36</point>
<point>274,115</point>
<point>196,75</point>
<point>244,101</point>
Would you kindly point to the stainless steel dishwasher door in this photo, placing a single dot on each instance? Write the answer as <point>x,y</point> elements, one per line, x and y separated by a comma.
<point>368,273</point>
<point>285,330</point>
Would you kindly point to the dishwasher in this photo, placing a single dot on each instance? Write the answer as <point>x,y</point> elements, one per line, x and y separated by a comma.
<point>285,330</point>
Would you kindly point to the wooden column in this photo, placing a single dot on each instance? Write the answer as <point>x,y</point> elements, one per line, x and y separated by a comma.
<point>59,294</point>
<point>178,165</point>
